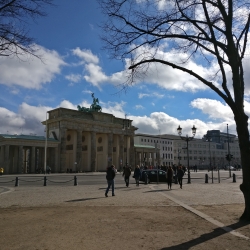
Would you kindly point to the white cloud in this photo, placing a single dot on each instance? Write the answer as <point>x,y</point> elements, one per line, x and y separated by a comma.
<point>86,55</point>
<point>96,76</point>
<point>74,77</point>
<point>30,72</point>
<point>139,107</point>
<point>142,95</point>
<point>153,94</point>
<point>214,109</point>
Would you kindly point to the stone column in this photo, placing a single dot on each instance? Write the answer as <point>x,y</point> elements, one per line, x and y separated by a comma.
<point>62,162</point>
<point>20,160</point>
<point>79,150</point>
<point>56,163</point>
<point>132,152</point>
<point>33,160</point>
<point>110,149</point>
<point>121,152</point>
<point>6,165</point>
<point>93,151</point>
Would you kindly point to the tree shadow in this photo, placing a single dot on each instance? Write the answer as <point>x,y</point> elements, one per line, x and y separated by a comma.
<point>206,237</point>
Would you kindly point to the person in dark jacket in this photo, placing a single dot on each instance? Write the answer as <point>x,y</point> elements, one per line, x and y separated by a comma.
<point>180,174</point>
<point>110,176</point>
<point>126,174</point>
<point>137,175</point>
<point>169,176</point>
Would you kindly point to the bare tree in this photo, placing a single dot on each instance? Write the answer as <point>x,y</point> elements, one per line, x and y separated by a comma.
<point>14,18</point>
<point>216,30</point>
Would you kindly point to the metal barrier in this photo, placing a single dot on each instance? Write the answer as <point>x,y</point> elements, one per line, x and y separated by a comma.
<point>45,180</point>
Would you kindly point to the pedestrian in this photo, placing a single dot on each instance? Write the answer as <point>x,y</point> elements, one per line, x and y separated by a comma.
<point>126,174</point>
<point>169,176</point>
<point>180,174</point>
<point>137,175</point>
<point>110,176</point>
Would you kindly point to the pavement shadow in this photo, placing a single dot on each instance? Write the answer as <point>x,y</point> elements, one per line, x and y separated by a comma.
<point>158,190</point>
<point>85,199</point>
<point>206,237</point>
<point>104,188</point>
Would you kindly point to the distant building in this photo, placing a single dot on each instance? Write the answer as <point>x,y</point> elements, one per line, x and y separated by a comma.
<point>163,144</point>
<point>173,150</point>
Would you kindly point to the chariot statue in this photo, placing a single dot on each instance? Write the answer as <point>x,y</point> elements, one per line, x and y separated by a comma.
<point>94,106</point>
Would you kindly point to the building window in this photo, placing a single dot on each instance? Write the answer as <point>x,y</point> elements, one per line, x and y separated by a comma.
<point>114,149</point>
<point>141,140</point>
<point>68,137</point>
<point>83,138</point>
<point>85,148</point>
<point>99,139</point>
<point>100,149</point>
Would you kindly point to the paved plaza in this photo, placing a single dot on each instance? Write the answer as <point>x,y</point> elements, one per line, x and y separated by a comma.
<point>199,216</point>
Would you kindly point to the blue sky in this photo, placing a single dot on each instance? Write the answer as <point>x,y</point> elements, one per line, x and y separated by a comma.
<point>74,65</point>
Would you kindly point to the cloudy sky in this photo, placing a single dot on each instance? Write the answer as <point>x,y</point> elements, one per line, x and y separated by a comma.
<point>74,65</point>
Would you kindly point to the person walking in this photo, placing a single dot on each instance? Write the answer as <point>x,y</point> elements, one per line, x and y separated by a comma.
<point>169,176</point>
<point>180,174</point>
<point>126,174</point>
<point>137,175</point>
<point>110,176</point>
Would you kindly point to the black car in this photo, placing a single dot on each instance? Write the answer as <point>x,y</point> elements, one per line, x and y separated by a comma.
<point>152,175</point>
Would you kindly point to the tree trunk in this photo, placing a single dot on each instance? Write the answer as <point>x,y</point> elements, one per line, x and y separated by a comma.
<point>243,135</point>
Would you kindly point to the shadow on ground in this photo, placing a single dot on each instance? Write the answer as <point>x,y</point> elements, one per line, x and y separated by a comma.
<point>85,199</point>
<point>205,237</point>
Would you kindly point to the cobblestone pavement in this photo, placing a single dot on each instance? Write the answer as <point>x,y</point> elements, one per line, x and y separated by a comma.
<point>217,205</point>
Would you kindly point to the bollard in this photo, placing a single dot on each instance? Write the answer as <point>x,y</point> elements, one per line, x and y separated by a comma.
<point>146,178</point>
<point>234,177</point>
<point>206,178</point>
<point>45,181</point>
<point>17,182</point>
<point>75,181</point>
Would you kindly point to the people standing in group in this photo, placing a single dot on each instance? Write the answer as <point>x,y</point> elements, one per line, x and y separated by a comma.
<point>169,176</point>
<point>180,174</point>
<point>137,175</point>
<point>110,176</point>
<point>126,174</point>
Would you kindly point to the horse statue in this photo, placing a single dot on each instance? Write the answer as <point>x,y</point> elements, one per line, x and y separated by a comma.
<point>94,106</point>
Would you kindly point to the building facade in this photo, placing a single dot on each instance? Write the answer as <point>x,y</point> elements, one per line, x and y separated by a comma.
<point>163,145</point>
<point>202,152</point>
<point>23,154</point>
<point>90,141</point>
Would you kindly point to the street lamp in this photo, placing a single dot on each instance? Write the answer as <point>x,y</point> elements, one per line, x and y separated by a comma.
<point>179,158</point>
<point>187,139</point>
<point>209,139</point>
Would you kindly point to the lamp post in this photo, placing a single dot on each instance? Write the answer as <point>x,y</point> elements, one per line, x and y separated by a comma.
<point>187,139</point>
<point>45,147</point>
<point>179,158</point>
<point>209,139</point>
